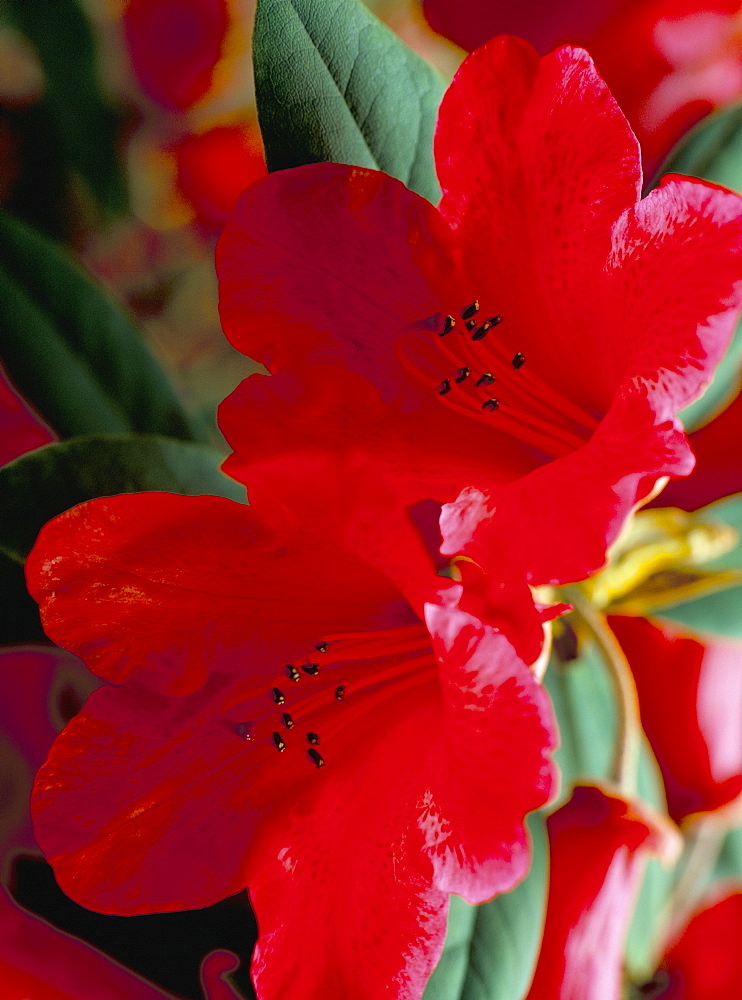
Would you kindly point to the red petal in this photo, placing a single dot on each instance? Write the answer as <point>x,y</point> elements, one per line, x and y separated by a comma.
<point>494,710</point>
<point>215,966</point>
<point>598,845</point>
<point>410,762</point>
<point>536,162</point>
<point>21,428</point>
<point>166,588</point>
<point>343,893</point>
<point>676,261</point>
<point>690,694</point>
<point>324,453</point>
<point>705,963</point>
<point>555,524</point>
<point>39,962</point>
<point>327,263</point>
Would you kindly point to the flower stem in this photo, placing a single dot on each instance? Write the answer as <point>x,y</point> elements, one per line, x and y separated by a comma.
<point>628,737</point>
<point>704,841</point>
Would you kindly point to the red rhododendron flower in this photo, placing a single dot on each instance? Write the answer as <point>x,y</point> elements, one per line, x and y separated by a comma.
<point>349,763</point>
<point>39,962</point>
<point>690,694</point>
<point>614,312</point>
<point>598,845</point>
<point>705,962</point>
<point>21,428</point>
<point>175,46</point>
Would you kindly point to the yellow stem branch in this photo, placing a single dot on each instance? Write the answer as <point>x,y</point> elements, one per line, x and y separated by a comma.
<point>628,737</point>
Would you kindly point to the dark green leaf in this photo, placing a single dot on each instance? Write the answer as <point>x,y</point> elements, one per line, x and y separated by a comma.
<point>71,351</point>
<point>713,151</point>
<point>19,612</point>
<point>43,483</point>
<point>334,84</point>
<point>719,613</point>
<point>491,950</point>
<point>61,34</point>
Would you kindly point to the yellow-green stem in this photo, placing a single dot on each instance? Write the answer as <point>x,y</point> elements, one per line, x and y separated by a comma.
<point>629,734</point>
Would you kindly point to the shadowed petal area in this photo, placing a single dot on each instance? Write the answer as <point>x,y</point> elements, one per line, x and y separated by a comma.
<point>42,688</point>
<point>598,845</point>
<point>690,695</point>
<point>39,962</point>
<point>165,588</point>
<point>718,472</point>
<point>327,263</point>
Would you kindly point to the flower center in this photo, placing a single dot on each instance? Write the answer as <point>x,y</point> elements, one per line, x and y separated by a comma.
<point>312,699</point>
<point>475,370</point>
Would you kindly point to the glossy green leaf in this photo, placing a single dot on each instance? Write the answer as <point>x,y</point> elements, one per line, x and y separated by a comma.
<point>88,125</point>
<point>335,84</point>
<point>71,350</point>
<point>719,613</point>
<point>491,950</point>
<point>713,151</point>
<point>43,483</point>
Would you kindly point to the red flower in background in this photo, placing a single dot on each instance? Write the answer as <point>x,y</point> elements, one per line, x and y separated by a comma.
<point>214,167</point>
<point>614,312</point>
<point>705,962</point>
<point>690,694</point>
<point>667,62</point>
<point>349,763</point>
<point>21,428</point>
<point>598,845</point>
<point>175,46</point>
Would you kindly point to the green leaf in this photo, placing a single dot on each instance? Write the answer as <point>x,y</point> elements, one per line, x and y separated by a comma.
<point>42,483</point>
<point>335,84</point>
<point>584,703</point>
<point>491,950</point>
<point>71,350</point>
<point>729,864</point>
<point>19,614</point>
<point>719,613</point>
<point>713,151</point>
<point>88,125</point>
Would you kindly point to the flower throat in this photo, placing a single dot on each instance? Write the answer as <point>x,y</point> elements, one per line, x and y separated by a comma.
<point>477,374</point>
